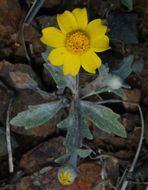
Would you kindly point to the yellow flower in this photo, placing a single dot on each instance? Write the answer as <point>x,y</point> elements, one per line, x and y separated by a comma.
<point>67,175</point>
<point>76,42</point>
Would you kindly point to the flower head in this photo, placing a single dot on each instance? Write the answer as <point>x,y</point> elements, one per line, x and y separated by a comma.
<point>67,175</point>
<point>76,42</point>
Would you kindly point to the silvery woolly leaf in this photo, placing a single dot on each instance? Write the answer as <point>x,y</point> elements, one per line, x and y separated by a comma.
<point>61,80</point>
<point>103,70</point>
<point>58,75</point>
<point>69,123</point>
<point>103,118</point>
<point>125,67</point>
<point>36,115</point>
<point>86,131</point>
<point>62,158</point>
<point>119,92</point>
<point>83,153</point>
<point>128,3</point>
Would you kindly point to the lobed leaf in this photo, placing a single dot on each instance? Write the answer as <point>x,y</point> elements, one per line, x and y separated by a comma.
<point>125,67</point>
<point>103,118</point>
<point>57,74</point>
<point>83,153</point>
<point>128,3</point>
<point>36,115</point>
<point>70,124</point>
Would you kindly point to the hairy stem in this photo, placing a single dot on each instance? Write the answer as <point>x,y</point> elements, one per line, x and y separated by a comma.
<point>77,112</point>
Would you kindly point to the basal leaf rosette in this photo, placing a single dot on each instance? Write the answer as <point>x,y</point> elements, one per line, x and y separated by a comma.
<point>76,42</point>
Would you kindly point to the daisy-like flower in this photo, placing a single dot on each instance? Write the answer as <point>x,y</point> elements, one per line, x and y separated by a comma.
<point>67,175</point>
<point>76,42</point>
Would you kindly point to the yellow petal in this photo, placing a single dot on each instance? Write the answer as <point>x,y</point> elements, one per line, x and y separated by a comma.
<point>100,44</point>
<point>71,64</point>
<point>95,28</point>
<point>56,56</point>
<point>81,17</point>
<point>52,37</point>
<point>67,22</point>
<point>90,61</point>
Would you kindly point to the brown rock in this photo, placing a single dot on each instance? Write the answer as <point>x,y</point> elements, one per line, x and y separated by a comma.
<point>88,177</point>
<point>6,67</point>
<point>133,95</point>
<point>42,155</point>
<point>52,4</point>
<point>116,142</point>
<point>10,15</point>
<point>130,121</point>
<point>145,83</point>
<point>5,96</point>
<point>24,98</point>
<point>47,179</point>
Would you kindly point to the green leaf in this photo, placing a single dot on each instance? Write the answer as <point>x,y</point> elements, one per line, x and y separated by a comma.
<point>128,3</point>
<point>70,124</point>
<point>83,153</point>
<point>103,118</point>
<point>36,115</point>
<point>125,67</point>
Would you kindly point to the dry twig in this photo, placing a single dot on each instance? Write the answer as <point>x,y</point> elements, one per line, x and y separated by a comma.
<point>8,139</point>
<point>125,183</point>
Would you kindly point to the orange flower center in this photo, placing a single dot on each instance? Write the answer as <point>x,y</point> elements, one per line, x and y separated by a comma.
<point>77,42</point>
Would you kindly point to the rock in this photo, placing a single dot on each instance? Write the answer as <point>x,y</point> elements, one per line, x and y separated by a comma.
<point>42,155</point>
<point>120,25</point>
<point>97,8</point>
<point>110,172</point>
<point>144,76</point>
<point>6,67</point>
<point>117,142</point>
<point>48,4</point>
<point>23,98</point>
<point>4,170</point>
<point>47,179</point>
<point>52,4</point>
<point>88,177</point>
<point>5,95</point>
<point>45,21</point>
<point>146,128</point>
<point>130,121</point>
<point>10,14</point>
<point>32,39</point>
<point>133,95</point>
<point>3,143</point>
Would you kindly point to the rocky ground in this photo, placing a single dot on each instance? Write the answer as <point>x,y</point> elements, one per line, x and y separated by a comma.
<point>35,150</point>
